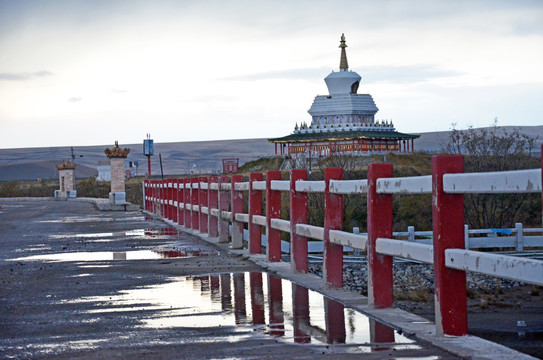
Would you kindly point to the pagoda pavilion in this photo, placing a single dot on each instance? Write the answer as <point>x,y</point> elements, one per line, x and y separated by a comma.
<point>343,122</point>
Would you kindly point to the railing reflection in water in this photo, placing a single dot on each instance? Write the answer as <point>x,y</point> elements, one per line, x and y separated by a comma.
<point>284,309</point>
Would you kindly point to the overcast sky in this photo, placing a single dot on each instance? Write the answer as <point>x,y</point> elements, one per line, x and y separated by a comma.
<point>92,72</point>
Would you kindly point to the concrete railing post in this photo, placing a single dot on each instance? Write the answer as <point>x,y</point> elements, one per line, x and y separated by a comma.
<point>188,220</point>
<point>255,208</point>
<point>411,233</point>
<point>202,197</point>
<point>194,188</point>
<point>273,211</point>
<point>298,215</point>
<point>448,226</point>
<point>237,208</point>
<point>333,220</point>
<point>380,279</point>
<point>212,203</point>
<point>224,204</point>
<point>520,237</point>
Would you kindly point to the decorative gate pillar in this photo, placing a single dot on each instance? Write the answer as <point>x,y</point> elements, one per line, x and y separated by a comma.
<point>66,177</point>
<point>116,157</point>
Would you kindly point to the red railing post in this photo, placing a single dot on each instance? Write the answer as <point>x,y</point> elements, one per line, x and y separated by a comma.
<point>333,220</point>
<point>380,278</point>
<point>275,302</point>
<point>175,191</point>
<point>224,202</point>
<point>273,211</point>
<point>156,205</point>
<point>195,224</point>
<point>144,194</point>
<point>335,321</point>
<point>237,207</point>
<point>188,220</point>
<point>255,208</point>
<point>213,203</point>
<point>202,196</point>
<point>179,199</point>
<point>298,215</point>
<point>240,311</point>
<point>153,196</point>
<point>169,199</point>
<point>148,194</point>
<point>448,225</point>
<point>300,313</point>
<point>380,333</point>
<point>257,297</point>
<point>159,197</point>
<point>162,198</point>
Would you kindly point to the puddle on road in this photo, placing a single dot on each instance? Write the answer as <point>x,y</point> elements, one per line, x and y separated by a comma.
<point>246,302</point>
<point>126,255</point>
<point>142,233</point>
<point>81,219</point>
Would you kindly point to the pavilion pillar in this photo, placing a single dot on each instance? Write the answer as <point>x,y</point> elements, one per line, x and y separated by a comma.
<point>116,157</point>
<point>66,177</point>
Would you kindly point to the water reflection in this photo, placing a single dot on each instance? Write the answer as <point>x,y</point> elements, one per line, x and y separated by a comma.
<point>124,255</point>
<point>270,304</point>
<point>147,233</point>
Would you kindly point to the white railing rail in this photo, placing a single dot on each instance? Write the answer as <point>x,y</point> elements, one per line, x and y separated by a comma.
<point>502,182</point>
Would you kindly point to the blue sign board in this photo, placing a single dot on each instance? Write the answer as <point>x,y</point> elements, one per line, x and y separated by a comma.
<point>148,147</point>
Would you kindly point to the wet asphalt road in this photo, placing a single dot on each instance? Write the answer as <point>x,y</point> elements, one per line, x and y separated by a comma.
<point>79,283</point>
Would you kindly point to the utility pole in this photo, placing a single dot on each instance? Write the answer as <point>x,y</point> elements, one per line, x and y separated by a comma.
<point>73,154</point>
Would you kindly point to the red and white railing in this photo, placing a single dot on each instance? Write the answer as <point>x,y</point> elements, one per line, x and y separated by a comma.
<point>211,205</point>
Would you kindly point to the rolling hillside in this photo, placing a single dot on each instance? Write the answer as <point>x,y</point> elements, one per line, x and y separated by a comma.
<point>177,158</point>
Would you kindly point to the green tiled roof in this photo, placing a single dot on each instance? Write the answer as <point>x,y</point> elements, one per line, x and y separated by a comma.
<point>343,135</point>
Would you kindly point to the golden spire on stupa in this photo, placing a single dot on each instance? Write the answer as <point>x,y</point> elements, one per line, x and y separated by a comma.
<point>343,64</point>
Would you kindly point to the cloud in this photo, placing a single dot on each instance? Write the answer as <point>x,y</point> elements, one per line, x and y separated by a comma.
<point>394,74</point>
<point>405,74</point>
<point>118,91</point>
<point>293,74</point>
<point>75,99</point>
<point>24,76</point>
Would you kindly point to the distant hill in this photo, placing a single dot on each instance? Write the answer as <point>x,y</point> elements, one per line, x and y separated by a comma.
<point>178,158</point>
<point>40,169</point>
